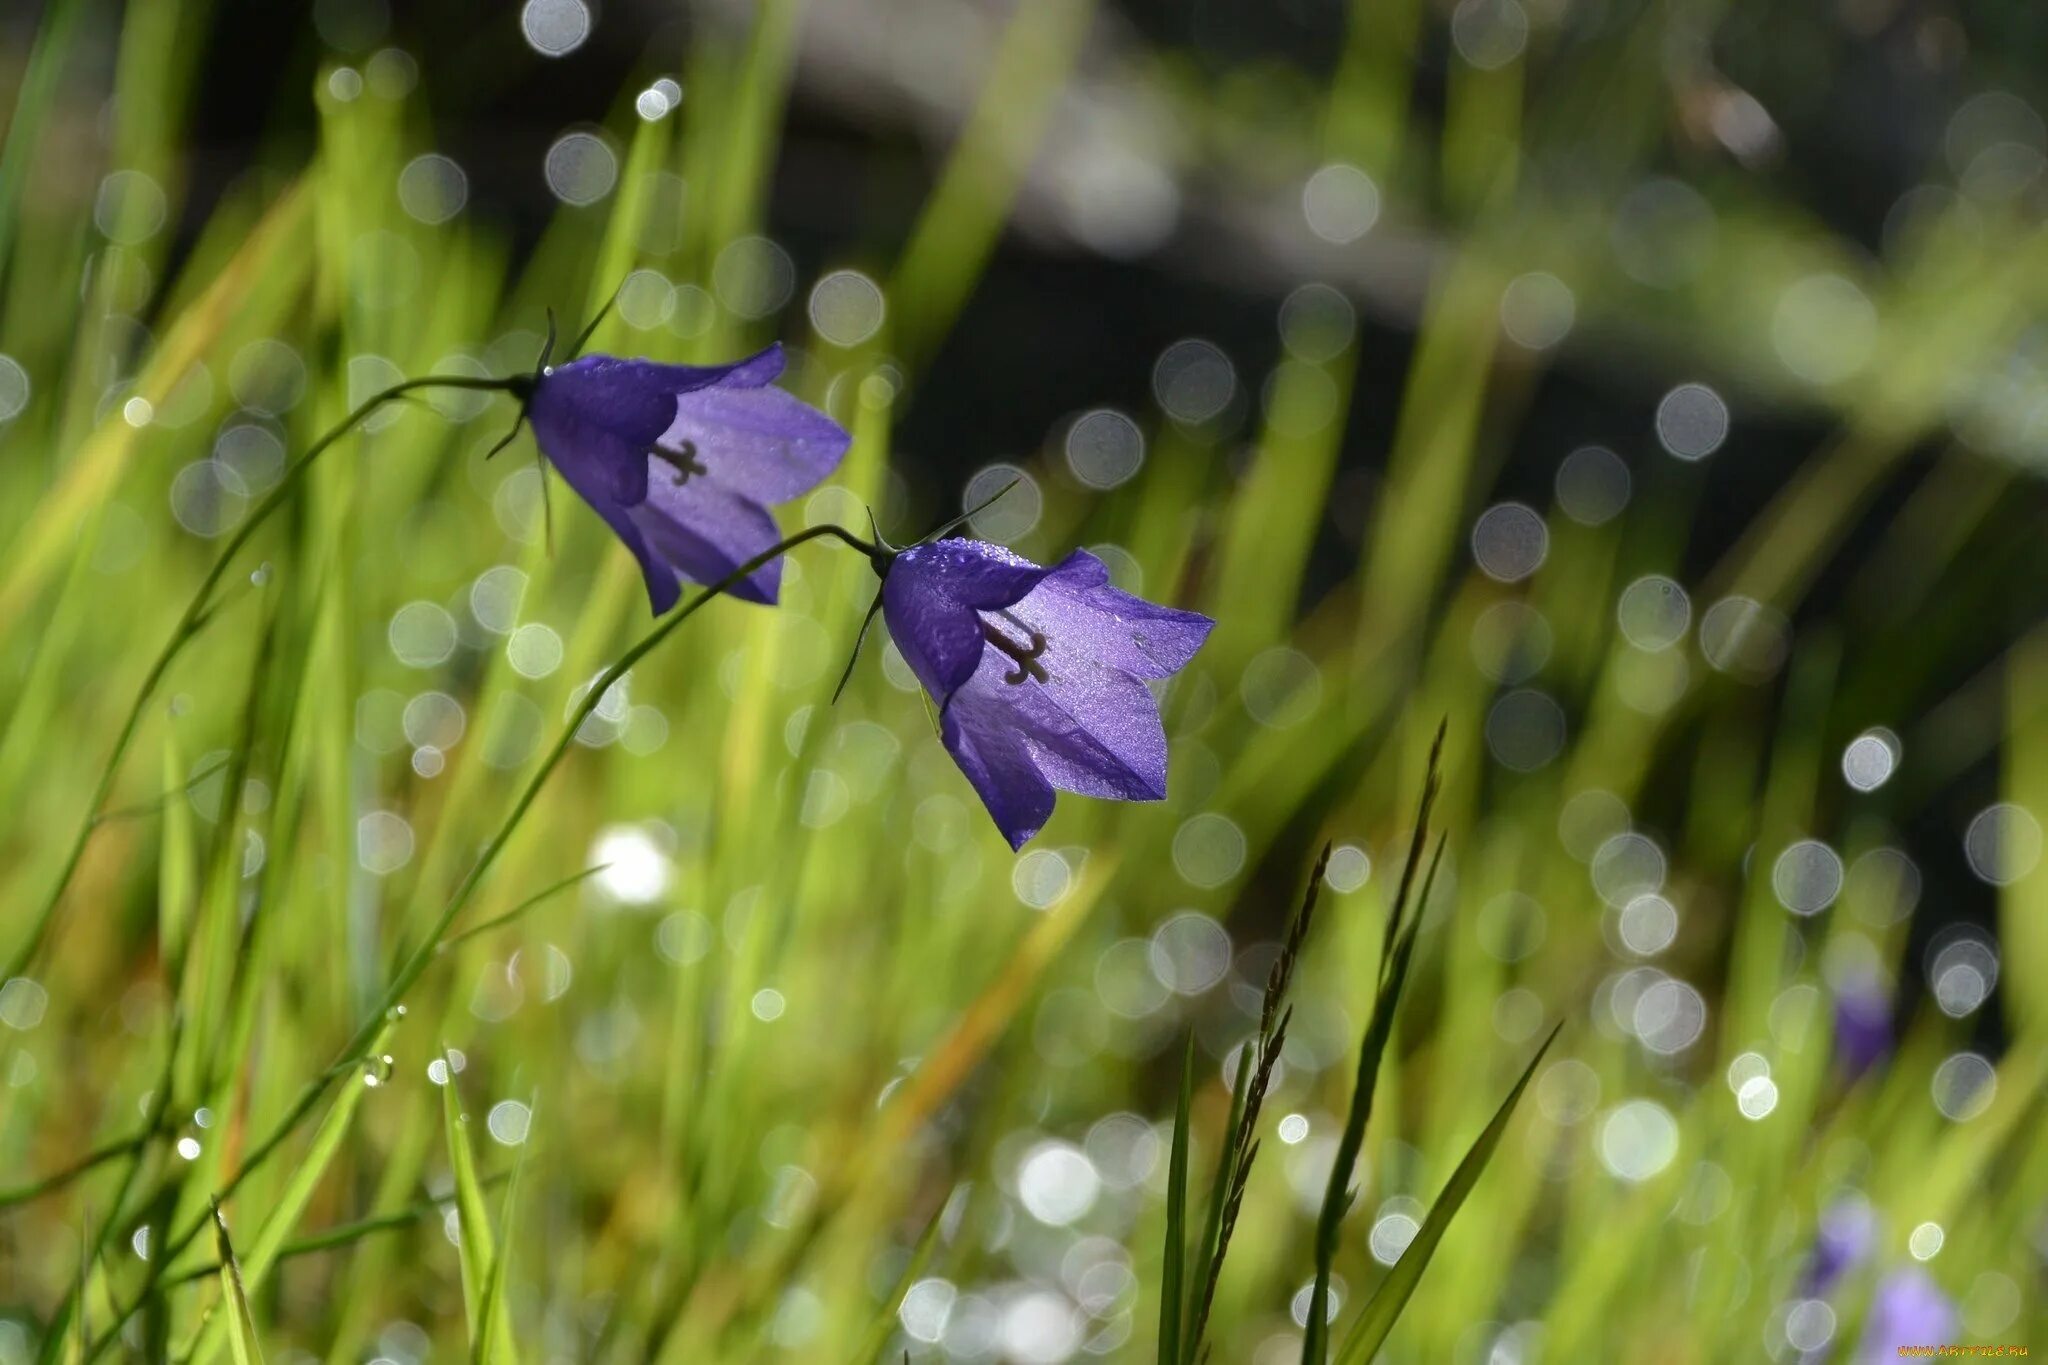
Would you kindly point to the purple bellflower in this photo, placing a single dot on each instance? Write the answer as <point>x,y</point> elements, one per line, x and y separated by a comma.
<point>1039,674</point>
<point>1909,1310</point>
<point>683,461</point>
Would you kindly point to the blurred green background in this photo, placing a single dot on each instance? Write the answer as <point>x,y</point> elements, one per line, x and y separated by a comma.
<point>1654,392</point>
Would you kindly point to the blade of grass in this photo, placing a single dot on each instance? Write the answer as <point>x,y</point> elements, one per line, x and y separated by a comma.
<point>495,1341</point>
<point>1204,1263</point>
<point>416,962</point>
<point>1173,1265</point>
<point>500,921</point>
<point>876,1339</point>
<point>1234,1167</point>
<point>242,1329</point>
<point>1337,1196</point>
<point>1370,1331</point>
<point>474,1242</point>
<point>284,1214</point>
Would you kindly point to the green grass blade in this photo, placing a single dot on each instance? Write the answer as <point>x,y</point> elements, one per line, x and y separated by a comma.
<point>1206,1250</point>
<point>1384,1308</point>
<point>495,1342</point>
<point>1174,1268</point>
<point>477,1246</point>
<point>1403,923</point>
<point>241,1323</point>
<point>285,1212</point>
<point>876,1339</point>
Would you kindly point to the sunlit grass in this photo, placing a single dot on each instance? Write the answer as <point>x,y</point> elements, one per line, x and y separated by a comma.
<point>791,1058</point>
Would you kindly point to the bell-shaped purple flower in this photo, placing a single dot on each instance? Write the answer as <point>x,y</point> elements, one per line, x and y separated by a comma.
<point>683,461</point>
<point>1039,674</point>
<point>1908,1309</point>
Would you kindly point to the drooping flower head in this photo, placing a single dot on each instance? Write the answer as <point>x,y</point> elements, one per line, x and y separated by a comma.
<point>1038,674</point>
<point>684,461</point>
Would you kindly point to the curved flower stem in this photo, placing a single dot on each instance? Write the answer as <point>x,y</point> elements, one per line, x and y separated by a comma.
<point>196,615</point>
<point>417,959</point>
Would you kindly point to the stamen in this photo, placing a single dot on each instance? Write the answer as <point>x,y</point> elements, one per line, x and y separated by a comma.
<point>684,461</point>
<point>1026,656</point>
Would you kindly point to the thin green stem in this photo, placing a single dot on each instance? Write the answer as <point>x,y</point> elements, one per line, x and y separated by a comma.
<point>418,959</point>
<point>196,615</point>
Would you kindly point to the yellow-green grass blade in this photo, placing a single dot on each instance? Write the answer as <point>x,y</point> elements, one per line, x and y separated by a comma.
<point>1383,1309</point>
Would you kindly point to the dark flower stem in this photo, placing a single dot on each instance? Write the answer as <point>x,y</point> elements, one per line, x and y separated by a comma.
<point>417,960</point>
<point>196,616</point>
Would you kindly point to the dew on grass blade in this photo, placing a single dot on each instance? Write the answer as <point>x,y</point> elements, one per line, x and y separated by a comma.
<point>1489,34</point>
<point>1592,485</point>
<point>1870,759</point>
<point>1193,381</point>
<point>508,1122</point>
<point>1317,323</point>
<point>1537,310</point>
<point>1010,517</point>
<point>1525,730</point>
<point>1962,970</point>
<point>846,307</point>
<point>1654,612</point>
<point>1208,849</point>
<point>1348,869</point>
<point>1189,953</point>
<point>1510,541</point>
<point>1925,1241</point>
<point>1807,877</point>
<point>1692,421</point>
<point>208,498</point>
<point>1638,1139</point>
<point>1104,448</point>
<point>753,277</point>
<point>1511,642</point>
<point>580,168</point>
<point>1057,1183</point>
<point>1281,687</point>
<point>23,1002</point>
<point>422,634</point>
<point>1341,203</point>
<point>384,842</point>
<point>1964,1086</point>
<point>14,388</point>
<point>432,188</point>
<point>554,28</point>
<point>1627,865</point>
<point>2003,843</point>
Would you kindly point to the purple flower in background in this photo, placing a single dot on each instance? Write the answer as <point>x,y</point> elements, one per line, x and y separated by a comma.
<point>1039,674</point>
<point>683,461</point>
<point>1909,1310</point>
<point>1863,1026</point>
<point>1848,1230</point>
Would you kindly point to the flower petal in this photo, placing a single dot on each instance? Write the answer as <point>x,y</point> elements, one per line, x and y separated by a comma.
<point>1079,613</point>
<point>1092,730</point>
<point>632,401</point>
<point>589,460</point>
<point>707,532</point>
<point>760,442</point>
<point>931,599</point>
<point>998,765</point>
<point>599,463</point>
